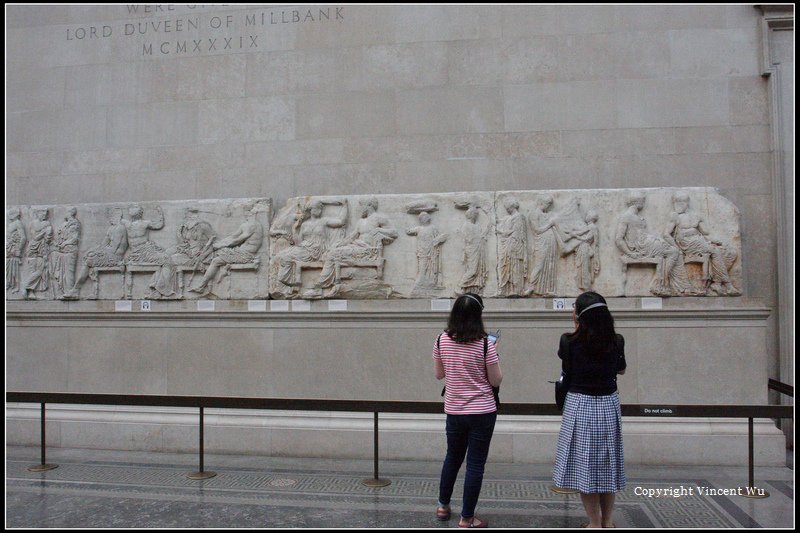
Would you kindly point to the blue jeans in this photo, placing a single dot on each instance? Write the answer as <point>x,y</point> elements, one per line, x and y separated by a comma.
<point>470,436</point>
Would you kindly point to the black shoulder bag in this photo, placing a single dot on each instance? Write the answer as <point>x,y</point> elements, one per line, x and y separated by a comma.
<point>495,390</point>
<point>562,385</point>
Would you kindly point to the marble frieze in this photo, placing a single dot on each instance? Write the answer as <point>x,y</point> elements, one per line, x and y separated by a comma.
<point>148,250</point>
<point>667,242</point>
<point>508,244</point>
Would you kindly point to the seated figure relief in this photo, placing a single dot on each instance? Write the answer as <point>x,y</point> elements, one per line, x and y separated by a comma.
<point>309,236</point>
<point>638,245</point>
<point>687,229</point>
<point>362,248</point>
<point>237,249</point>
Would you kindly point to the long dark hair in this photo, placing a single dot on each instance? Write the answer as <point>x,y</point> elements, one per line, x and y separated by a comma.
<point>466,319</point>
<point>596,326</point>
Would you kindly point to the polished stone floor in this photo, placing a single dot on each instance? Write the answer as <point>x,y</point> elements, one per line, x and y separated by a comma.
<point>99,489</point>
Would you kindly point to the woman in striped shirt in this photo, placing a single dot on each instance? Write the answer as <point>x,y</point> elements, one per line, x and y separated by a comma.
<point>469,364</point>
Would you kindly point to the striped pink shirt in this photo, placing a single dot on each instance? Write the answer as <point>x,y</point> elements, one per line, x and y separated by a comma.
<point>468,391</point>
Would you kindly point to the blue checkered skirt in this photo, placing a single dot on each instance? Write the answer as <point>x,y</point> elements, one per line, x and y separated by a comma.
<point>589,456</point>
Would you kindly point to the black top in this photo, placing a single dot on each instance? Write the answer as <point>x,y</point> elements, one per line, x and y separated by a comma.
<point>594,375</point>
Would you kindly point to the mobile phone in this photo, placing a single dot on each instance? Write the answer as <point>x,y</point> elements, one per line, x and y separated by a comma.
<point>494,337</point>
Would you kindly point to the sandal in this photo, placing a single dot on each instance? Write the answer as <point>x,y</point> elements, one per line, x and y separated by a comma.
<point>443,513</point>
<point>476,522</point>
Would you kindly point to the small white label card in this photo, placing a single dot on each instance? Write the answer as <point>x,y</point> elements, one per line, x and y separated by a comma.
<point>256,305</point>
<point>563,304</point>
<point>441,305</point>
<point>652,303</point>
<point>279,305</point>
<point>145,305</point>
<point>123,305</point>
<point>301,305</point>
<point>205,305</point>
<point>337,305</point>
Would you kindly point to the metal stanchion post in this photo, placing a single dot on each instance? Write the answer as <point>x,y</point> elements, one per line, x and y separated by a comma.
<point>751,491</point>
<point>201,474</point>
<point>375,481</point>
<point>43,467</point>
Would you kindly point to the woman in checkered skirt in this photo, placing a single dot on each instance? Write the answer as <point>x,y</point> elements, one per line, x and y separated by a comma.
<point>589,457</point>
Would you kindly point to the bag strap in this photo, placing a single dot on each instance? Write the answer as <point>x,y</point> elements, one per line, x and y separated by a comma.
<point>566,352</point>
<point>439,349</point>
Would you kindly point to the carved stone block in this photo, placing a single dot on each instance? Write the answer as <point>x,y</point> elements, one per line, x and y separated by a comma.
<point>509,244</point>
<point>383,246</point>
<point>149,250</point>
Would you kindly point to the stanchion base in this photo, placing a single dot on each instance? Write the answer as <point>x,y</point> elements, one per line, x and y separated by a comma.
<point>559,490</point>
<point>372,482</point>
<point>201,475</point>
<point>41,468</point>
<point>758,495</point>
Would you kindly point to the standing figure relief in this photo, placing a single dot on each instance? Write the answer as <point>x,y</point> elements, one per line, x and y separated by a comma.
<point>109,253</point>
<point>512,250</point>
<point>475,236</point>
<point>428,249</point>
<point>64,255</point>
<point>587,252</point>
<point>38,254</point>
<point>15,244</point>
<point>542,278</point>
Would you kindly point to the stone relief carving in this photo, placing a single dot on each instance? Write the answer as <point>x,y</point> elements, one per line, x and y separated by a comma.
<point>512,250</point>
<point>236,251</point>
<point>577,233</point>
<point>688,231</point>
<point>194,248</point>
<point>475,235</point>
<point>309,235</point>
<point>639,246</point>
<point>37,271</point>
<point>15,244</point>
<point>363,248</point>
<point>429,244</point>
<point>586,242</point>
<point>545,248</point>
<point>569,231</point>
<point>64,254</point>
<point>107,256</point>
<point>146,256</point>
<point>537,244</point>
<point>124,241</point>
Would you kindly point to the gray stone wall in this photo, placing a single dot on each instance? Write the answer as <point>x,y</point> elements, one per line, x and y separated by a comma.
<point>391,100</point>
